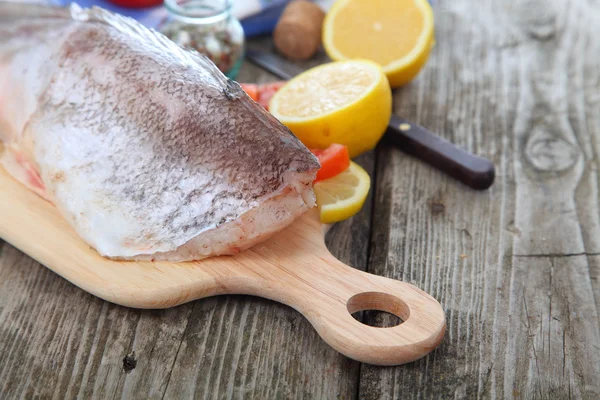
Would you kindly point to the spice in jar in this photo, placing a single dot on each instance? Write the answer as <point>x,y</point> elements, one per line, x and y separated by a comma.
<point>209,28</point>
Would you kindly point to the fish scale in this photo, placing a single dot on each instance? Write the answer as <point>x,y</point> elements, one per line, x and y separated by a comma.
<point>147,150</point>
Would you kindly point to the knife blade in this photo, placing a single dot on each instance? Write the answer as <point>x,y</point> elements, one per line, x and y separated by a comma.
<point>470,169</point>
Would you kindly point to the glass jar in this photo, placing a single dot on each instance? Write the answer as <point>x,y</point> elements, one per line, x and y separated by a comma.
<point>208,27</point>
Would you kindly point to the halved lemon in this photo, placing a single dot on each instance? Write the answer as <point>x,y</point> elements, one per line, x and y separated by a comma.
<point>342,196</point>
<point>398,34</point>
<point>346,102</point>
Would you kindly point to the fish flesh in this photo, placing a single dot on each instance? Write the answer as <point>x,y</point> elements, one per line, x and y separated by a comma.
<point>147,150</point>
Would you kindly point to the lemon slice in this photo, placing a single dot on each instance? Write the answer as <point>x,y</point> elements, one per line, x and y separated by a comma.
<point>346,102</point>
<point>342,196</point>
<point>398,35</point>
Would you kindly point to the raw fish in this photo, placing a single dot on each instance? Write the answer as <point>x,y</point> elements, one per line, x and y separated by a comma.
<point>147,150</point>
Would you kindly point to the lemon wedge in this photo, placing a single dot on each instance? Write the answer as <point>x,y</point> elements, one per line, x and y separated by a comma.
<point>345,102</point>
<point>343,195</point>
<point>398,35</point>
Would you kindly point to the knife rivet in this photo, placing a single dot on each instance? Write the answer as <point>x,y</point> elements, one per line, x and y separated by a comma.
<point>404,127</point>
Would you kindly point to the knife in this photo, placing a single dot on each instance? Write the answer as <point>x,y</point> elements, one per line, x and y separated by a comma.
<point>470,169</point>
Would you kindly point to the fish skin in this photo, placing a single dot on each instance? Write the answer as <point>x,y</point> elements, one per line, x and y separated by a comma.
<point>147,150</point>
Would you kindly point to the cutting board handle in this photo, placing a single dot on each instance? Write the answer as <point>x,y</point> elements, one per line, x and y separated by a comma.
<point>295,268</point>
<point>337,291</point>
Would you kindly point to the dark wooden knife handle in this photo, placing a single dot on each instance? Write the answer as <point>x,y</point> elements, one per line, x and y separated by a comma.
<point>474,171</point>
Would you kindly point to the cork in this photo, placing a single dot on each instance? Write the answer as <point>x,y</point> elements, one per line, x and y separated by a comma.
<point>298,32</point>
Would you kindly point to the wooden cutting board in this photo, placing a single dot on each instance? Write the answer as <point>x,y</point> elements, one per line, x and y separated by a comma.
<point>294,267</point>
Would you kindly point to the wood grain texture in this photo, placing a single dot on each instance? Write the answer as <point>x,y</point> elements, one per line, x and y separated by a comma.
<point>58,341</point>
<point>519,274</point>
<point>517,267</point>
<point>273,351</point>
<point>292,267</point>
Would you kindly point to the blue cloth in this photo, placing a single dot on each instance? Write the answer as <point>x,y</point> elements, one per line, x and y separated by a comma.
<point>258,17</point>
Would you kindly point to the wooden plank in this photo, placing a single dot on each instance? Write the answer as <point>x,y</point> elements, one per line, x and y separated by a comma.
<point>516,267</point>
<point>512,298</point>
<point>57,341</point>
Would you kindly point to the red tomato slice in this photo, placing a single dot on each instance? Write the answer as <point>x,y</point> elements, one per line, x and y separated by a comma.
<point>265,98</point>
<point>272,87</point>
<point>334,159</point>
<point>267,90</point>
<point>262,93</point>
<point>251,89</point>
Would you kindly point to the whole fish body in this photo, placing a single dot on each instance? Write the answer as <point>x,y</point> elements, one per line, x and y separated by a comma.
<point>147,150</point>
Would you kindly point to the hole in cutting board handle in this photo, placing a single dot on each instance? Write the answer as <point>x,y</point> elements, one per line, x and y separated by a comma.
<point>380,302</point>
<point>377,319</point>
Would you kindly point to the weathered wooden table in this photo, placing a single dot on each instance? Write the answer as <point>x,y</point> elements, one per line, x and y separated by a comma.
<point>516,267</point>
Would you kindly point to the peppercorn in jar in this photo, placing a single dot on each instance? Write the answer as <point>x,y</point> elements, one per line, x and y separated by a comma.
<point>208,27</point>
